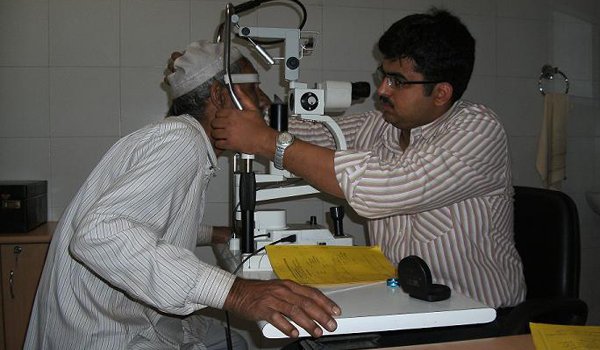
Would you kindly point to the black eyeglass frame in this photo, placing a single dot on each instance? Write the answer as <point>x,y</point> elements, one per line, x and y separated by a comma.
<point>396,82</point>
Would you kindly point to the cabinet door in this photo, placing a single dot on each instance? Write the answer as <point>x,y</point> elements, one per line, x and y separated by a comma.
<point>22,266</point>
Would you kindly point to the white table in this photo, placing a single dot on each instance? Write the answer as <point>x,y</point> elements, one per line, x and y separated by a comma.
<point>377,307</point>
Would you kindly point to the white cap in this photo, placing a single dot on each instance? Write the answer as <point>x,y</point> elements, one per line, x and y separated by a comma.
<point>201,61</point>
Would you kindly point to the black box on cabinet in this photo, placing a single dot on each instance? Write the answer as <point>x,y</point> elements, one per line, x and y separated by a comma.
<point>23,205</point>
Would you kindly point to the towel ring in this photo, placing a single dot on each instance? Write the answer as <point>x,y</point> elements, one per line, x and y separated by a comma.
<point>548,72</point>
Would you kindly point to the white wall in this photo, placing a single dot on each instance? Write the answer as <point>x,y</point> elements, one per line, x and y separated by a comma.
<point>75,75</point>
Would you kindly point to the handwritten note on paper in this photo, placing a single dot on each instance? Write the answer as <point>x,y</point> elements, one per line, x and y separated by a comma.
<point>330,265</point>
<point>558,337</point>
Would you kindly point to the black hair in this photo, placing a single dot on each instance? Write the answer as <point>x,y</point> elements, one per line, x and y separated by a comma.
<point>438,43</point>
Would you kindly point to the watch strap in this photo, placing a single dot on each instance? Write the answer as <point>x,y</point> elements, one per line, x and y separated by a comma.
<point>280,151</point>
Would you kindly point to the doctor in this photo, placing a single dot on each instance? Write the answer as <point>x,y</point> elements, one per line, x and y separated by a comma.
<point>431,171</point>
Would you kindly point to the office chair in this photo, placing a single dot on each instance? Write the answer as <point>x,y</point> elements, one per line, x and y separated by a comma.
<point>546,228</point>
<point>546,225</point>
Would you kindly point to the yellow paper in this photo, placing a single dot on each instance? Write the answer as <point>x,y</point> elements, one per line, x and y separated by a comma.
<point>558,337</point>
<point>329,265</point>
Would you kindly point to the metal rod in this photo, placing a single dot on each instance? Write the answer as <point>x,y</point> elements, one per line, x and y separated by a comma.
<point>229,12</point>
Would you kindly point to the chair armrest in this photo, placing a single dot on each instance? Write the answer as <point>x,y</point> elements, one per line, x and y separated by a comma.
<point>557,310</point>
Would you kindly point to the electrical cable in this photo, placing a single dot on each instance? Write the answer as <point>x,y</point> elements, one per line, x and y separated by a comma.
<point>249,5</point>
<point>290,239</point>
<point>234,224</point>
<point>228,328</point>
<point>228,332</point>
<point>302,23</point>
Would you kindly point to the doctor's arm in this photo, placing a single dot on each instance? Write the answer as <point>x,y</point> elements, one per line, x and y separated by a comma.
<point>245,131</point>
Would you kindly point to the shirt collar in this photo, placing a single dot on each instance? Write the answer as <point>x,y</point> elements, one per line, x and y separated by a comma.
<point>210,150</point>
<point>424,129</point>
<point>212,156</point>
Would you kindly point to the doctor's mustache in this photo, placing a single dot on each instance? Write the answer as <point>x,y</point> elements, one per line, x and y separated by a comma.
<point>383,100</point>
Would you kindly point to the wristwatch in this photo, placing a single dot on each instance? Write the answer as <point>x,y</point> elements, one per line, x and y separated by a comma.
<point>284,140</point>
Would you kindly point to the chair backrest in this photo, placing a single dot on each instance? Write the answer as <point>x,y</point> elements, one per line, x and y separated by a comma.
<point>547,238</point>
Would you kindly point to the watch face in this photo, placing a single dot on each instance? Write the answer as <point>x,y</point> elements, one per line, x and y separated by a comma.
<point>285,138</point>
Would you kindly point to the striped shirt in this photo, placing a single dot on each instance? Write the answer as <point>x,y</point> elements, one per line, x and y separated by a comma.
<point>121,266</point>
<point>447,198</point>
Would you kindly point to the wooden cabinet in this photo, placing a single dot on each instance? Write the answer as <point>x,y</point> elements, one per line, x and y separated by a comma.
<point>22,259</point>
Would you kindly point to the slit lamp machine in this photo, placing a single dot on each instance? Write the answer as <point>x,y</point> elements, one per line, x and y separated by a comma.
<point>260,228</point>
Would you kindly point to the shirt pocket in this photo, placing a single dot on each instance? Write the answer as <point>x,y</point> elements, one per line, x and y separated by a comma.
<point>428,226</point>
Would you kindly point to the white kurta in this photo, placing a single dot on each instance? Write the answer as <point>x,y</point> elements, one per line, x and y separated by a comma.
<point>121,262</point>
<point>447,198</point>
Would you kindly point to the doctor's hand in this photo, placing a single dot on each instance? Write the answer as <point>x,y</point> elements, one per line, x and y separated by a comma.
<point>279,301</point>
<point>243,131</point>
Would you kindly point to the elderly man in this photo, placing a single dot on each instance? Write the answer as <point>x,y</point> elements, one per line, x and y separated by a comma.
<point>121,272</point>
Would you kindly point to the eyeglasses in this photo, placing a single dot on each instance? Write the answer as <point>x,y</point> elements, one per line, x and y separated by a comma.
<point>395,81</point>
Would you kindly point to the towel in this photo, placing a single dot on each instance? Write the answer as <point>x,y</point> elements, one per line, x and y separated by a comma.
<point>552,144</point>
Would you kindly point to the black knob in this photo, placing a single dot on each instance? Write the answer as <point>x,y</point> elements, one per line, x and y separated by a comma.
<point>309,101</point>
<point>292,63</point>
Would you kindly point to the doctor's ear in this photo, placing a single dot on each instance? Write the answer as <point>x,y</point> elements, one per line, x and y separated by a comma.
<point>442,93</point>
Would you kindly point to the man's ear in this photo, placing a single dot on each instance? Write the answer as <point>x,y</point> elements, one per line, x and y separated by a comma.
<point>442,93</point>
<point>218,95</point>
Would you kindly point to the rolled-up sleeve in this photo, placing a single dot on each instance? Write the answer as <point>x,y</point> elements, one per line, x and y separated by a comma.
<point>463,160</point>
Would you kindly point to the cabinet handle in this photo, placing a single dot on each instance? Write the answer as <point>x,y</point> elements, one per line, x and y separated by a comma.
<point>17,250</point>
<point>11,282</point>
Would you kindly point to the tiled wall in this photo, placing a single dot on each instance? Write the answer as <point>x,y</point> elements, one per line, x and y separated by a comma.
<point>75,75</point>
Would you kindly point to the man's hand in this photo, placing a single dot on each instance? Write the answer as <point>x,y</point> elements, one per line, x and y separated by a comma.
<point>243,131</point>
<point>275,300</point>
<point>220,234</point>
